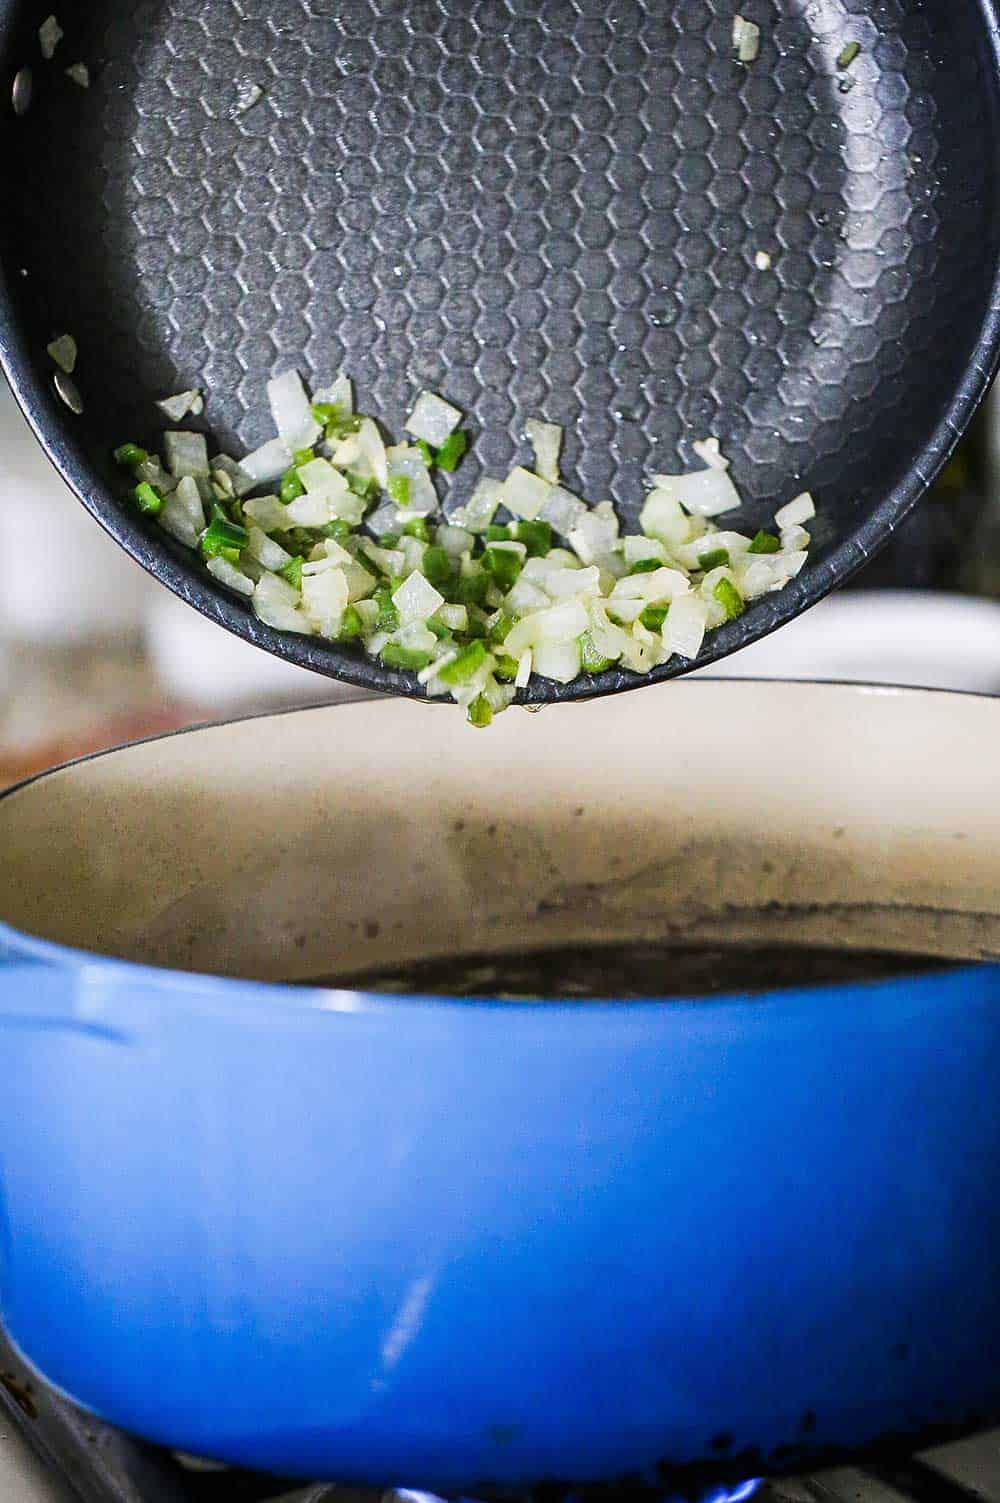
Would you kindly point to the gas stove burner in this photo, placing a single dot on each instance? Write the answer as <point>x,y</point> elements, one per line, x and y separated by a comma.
<point>99,1464</point>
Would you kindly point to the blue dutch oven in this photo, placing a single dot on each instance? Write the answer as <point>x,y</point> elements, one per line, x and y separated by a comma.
<point>473,1245</point>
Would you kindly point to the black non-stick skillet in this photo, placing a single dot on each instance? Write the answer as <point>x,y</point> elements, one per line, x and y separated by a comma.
<point>585,210</point>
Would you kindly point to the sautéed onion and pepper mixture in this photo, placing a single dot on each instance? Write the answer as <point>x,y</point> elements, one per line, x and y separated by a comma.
<point>326,530</point>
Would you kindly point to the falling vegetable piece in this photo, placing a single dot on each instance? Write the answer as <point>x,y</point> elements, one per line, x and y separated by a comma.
<point>63,351</point>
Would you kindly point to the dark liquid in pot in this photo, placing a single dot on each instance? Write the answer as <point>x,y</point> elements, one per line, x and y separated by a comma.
<point>633,971</point>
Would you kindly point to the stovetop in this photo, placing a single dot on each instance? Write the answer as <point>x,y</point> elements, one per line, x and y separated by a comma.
<point>51,1452</point>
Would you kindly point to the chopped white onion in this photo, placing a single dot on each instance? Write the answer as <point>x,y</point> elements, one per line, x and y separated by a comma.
<point>404,462</point>
<point>321,479</point>
<point>265,550</point>
<point>360,583</point>
<point>242,482</point>
<point>794,539</point>
<point>454,617</point>
<point>652,588</point>
<point>373,451</point>
<point>325,599</point>
<point>790,564</point>
<point>559,623</point>
<point>267,463</point>
<point>706,493</point>
<point>546,440</point>
<point>757,575</point>
<point>153,473</point>
<point>525,597</point>
<point>80,74</point>
<point>454,540</point>
<point>802,509</point>
<point>433,419</point>
<point>557,660</point>
<point>593,536</point>
<point>524,494</point>
<point>387,560</point>
<point>292,411</point>
<point>416,599</point>
<point>684,628</point>
<point>561,583</point>
<point>175,518</point>
<point>64,352</point>
<point>480,509</point>
<point>267,512</point>
<point>276,603</point>
<point>746,39</point>
<point>562,510</point>
<point>643,650</point>
<point>248,94</point>
<point>524,664</point>
<point>664,518</point>
<point>708,451</point>
<point>310,510</point>
<point>228,574</point>
<point>50,34</point>
<point>186,454</point>
<point>178,407</point>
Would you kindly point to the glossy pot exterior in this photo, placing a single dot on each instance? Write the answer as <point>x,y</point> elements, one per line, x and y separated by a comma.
<point>467,1246</point>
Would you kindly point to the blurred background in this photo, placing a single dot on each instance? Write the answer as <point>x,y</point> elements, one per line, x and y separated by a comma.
<point>94,652</point>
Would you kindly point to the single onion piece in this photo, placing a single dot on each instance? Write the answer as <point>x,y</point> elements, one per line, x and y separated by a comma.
<point>372,451</point>
<point>454,540</point>
<point>276,603</point>
<point>242,483</point>
<point>708,451</point>
<point>638,548</point>
<point>557,660</point>
<point>546,440</point>
<point>339,394</point>
<point>50,34</point>
<point>265,550</point>
<point>525,494</point>
<point>480,509</point>
<point>324,600</point>
<point>593,536</point>
<point>416,599</point>
<point>228,574</point>
<point>684,628</point>
<point>433,419</point>
<point>802,509</point>
<point>186,454</point>
<point>405,462</point>
<point>64,352</point>
<point>563,511</point>
<point>267,463</point>
<point>793,539</point>
<point>706,493</point>
<point>178,407</point>
<point>267,512</point>
<point>292,411</point>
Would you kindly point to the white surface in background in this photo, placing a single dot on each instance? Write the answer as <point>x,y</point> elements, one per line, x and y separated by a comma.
<point>61,578</point>
<point>200,663</point>
<point>906,637</point>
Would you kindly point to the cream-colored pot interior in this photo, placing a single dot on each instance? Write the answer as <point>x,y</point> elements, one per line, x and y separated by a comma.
<point>332,839</point>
